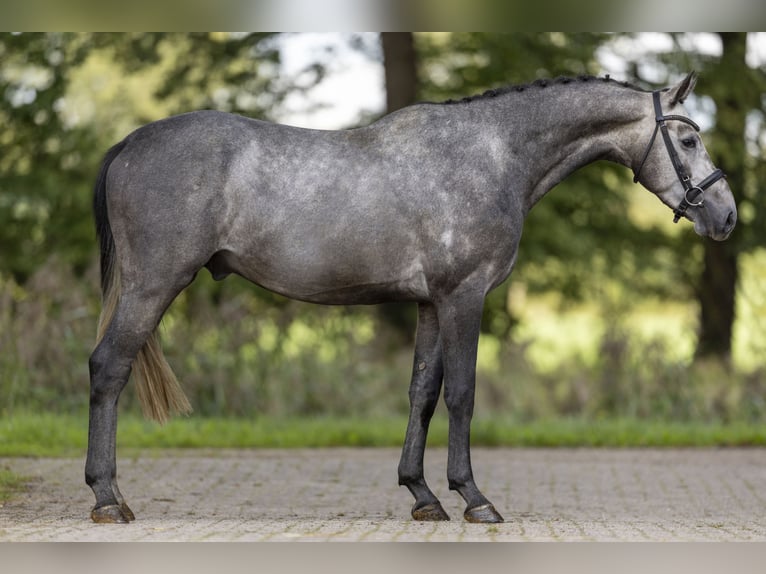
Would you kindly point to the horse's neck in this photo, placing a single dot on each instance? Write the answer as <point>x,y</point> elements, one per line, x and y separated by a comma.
<point>573,127</point>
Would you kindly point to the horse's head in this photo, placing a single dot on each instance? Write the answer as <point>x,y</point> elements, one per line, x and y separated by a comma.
<point>677,168</point>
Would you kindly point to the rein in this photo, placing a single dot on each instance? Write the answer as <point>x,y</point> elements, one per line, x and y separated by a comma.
<point>691,192</point>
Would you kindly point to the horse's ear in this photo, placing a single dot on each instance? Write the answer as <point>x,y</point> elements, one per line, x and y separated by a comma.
<point>680,91</point>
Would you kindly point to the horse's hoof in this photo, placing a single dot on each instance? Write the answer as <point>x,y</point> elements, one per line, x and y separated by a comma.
<point>127,512</point>
<point>110,514</point>
<point>430,513</point>
<point>484,514</point>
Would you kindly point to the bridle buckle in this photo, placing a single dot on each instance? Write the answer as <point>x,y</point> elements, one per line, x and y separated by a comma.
<point>698,193</point>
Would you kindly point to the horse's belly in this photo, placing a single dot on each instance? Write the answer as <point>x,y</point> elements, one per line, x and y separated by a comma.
<point>345,292</point>
<point>358,294</point>
<point>329,282</point>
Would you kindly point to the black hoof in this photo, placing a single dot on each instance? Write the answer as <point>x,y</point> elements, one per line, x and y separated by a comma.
<point>430,513</point>
<point>484,514</point>
<point>110,514</point>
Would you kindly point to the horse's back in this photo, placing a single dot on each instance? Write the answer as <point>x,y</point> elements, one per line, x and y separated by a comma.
<point>360,215</point>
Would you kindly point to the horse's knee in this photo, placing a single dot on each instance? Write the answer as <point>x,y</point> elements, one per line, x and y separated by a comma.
<point>459,401</point>
<point>424,400</point>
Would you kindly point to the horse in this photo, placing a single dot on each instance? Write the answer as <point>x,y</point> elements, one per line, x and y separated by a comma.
<point>424,205</point>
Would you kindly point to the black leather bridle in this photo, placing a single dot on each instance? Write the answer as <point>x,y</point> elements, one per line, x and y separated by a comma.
<point>693,194</point>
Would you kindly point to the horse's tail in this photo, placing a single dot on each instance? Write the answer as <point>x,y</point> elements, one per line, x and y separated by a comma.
<point>158,389</point>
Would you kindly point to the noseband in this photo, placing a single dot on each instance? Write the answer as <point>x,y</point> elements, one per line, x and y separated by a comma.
<point>693,194</point>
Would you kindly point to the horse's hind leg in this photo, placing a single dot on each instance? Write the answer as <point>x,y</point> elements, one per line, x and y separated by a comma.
<point>424,394</point>
<point>137,314</point>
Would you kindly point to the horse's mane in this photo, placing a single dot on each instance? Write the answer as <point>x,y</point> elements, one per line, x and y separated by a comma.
<point>538,84</point>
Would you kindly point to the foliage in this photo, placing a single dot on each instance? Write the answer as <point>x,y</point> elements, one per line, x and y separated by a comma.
<point>61,106</point>
<point>42,165</point>
<point>246,356</point>
<point>593,246</point>
<point>271,355</point>
<point>730,89</point>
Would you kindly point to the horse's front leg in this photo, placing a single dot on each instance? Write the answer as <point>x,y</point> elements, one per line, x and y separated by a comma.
<point>459,323</point>
<point>424,394</point>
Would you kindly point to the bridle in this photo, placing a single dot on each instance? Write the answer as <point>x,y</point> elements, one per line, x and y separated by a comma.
<point>691,192</point>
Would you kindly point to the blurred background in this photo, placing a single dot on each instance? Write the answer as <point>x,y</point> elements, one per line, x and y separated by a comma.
<point>612,310</point>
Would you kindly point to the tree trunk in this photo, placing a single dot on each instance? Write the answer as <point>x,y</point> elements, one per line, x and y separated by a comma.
<point>400,65</point>
<point>400,69</point>
<point>717,300</point>
<point>718,282</point>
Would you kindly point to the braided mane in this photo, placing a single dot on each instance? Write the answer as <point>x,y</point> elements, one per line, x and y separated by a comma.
<point>539,84</point>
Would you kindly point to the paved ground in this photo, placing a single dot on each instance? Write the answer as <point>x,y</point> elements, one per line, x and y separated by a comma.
<point>351,494</point>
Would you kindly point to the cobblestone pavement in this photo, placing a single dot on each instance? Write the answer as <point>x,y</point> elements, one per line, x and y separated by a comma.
<point>352,494</point>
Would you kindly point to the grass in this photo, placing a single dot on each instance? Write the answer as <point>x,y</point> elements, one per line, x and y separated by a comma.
<point>10,484</point>
<point>66,435</point>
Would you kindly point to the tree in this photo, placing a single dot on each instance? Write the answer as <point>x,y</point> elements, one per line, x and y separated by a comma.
<point>43,162</point>
<point>400,69</point>
<point>730,82</point>
<point>736,92</point>
<point>49,160</point>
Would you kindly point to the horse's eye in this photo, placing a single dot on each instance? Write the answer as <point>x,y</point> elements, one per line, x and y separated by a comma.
<point>689,143</point>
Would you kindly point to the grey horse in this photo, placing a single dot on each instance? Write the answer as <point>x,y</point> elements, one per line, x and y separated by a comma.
<point>425,205</point>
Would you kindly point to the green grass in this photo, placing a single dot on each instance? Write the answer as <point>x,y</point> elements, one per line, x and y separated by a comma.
<point>66,435</point>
